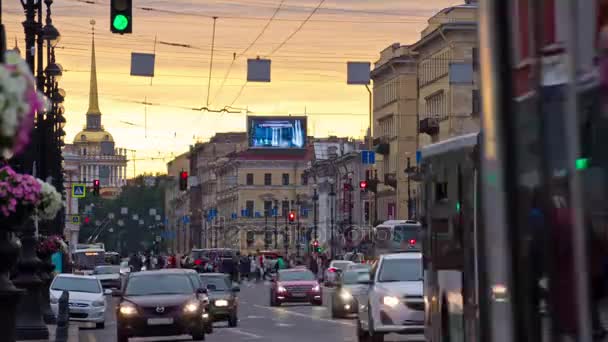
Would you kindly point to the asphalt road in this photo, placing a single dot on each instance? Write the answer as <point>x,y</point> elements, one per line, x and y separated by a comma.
<point>258,322</point>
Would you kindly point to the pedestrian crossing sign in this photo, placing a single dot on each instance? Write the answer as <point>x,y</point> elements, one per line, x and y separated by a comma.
<point>75,219</point>
<point>79,190</point>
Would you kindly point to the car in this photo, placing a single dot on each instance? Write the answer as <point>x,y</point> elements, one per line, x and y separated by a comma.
<point>223,303</point>
<point>109,276</point>
<point>332,273</point>
<point>204,297</point>
<point>161,303</point>
<point>354,267</point>
<point>86,298</point>
<point>394,300</point>
<point>349,288</point>
<point>295,286</point>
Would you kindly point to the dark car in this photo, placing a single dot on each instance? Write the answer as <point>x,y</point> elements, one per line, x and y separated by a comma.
<point>223,303</point>
<point>161,303</point>
<point>344,299</point>
<point>295,285</point>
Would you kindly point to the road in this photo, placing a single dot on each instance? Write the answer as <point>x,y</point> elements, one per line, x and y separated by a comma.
<point>258,322</point>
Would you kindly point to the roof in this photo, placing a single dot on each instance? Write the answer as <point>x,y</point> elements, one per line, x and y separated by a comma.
<point>93,136</point>
<point>69,275</point>
<point>163,271</point>
<point>452,144</point>
<point>404,255</point>
<point>214,275</point>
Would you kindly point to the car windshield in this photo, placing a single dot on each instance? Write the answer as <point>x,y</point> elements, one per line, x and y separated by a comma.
<point>216,283</point>
<point>340,264</point>
<point>159,284</point>
<point>74,284</point>
<point>400,270</point>
<point>352,277</point>
<point>106,270</point>
<point>359,267</point>
<point>296,276</point>
<point>406,233</point>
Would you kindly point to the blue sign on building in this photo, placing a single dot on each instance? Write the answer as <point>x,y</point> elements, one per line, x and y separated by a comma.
<point>186,219</point>
<point>368,157</point>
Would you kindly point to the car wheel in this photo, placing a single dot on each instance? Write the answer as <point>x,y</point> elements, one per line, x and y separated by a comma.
<point>362,335</point>
<point>101,325</point>
<point>198,335</point>
<point>233,320</point>
<point>209,327</point>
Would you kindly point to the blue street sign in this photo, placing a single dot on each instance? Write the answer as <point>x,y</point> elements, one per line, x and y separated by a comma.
<point>418,157</point>
<point>368,157</point>
<point>258,214</point>
<point>186,219</point>
<point>234,215</point>
<point>79,190</point>
<point>275,211</point>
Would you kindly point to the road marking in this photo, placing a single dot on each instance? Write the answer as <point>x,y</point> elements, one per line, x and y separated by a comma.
<point>284,325</point>
<point>304,315</point>
<point>255,317</point>
<point>244,333</point>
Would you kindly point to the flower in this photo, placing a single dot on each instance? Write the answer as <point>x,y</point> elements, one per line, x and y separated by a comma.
<point>49,245</point>
<point>17,191</point>
<point>50,201</point>
<point>19,102</point>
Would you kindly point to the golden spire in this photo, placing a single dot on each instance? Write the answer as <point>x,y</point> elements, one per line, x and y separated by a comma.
<point>93,96</point>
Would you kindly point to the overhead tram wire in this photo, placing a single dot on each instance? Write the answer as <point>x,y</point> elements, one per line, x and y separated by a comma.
<point>298,29</point>
<point>235,56</point>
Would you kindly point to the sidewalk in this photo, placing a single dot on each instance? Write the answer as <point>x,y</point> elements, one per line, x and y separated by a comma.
<point>72,334</point>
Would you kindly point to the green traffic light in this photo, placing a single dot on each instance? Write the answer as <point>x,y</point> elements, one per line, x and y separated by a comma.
<point>582,163</point>
<point>120,22</point>
<point>458,206</point>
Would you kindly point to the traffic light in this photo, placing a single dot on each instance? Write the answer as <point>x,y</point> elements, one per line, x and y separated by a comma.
<point>315,246</point>
<point>87,220</point>
<point>96,187</point>
<point>291,216</point>
<point>183,181</point>
<point>121,16</point>
<point>363,185</point>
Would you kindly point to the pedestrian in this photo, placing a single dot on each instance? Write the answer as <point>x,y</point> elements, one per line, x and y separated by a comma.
<point>244,268</point>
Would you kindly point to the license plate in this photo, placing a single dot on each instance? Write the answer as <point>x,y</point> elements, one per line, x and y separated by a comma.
<point>160,321</point>
<point>299,295</point>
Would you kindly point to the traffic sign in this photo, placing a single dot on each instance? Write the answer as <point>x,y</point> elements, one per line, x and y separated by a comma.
<point>75,219</point>
<point>79,190</point>
<point>368,157</point>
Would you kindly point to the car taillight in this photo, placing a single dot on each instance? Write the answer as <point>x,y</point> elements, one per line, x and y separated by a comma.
<point>332,270</point>
<point>412,242</point>
<point>197,262</point>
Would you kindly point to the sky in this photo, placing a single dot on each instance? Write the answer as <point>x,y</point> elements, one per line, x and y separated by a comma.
<point>308,70</point>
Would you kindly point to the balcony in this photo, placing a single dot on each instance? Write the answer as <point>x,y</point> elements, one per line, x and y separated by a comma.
<point>429,126</point>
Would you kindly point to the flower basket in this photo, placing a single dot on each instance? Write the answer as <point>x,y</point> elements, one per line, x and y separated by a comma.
<point>50,202</point>
<point>47,246</point>
<point>19,196</point>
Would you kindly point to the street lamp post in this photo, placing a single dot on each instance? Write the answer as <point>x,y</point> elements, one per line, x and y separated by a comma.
<point>276,222</point>
<point>266,242</point>
<point>332,201</point>
<point>315,200</point>
<point>298,232</point>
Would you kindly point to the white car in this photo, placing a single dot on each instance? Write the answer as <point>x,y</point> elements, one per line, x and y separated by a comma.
<point>87,301</point>
<point>109,276</point>
<point>394,302</point>
<point>332,273</point>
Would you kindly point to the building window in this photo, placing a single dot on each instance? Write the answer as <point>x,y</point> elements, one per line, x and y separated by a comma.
<point>435,106</point>
<point>250,205</point>
<point>250,179</point>
<point>285,208</point>
<point>268,179</point>
<point>267,208</point>
<point>303,179</point>
<point>286,179</point>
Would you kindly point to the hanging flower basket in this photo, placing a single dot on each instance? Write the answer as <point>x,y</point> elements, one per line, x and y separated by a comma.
<point>19,102</point>
<point>50,202</point>
<point>48,245</point>
<point>19,195</point>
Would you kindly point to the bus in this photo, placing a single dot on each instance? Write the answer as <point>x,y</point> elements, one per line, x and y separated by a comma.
<point>87,256</point>
<point>449,171</point>
<point>396,235</point>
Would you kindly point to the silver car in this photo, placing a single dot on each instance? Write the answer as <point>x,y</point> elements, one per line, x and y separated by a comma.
<point>394,302</point>
<point>86,303</point>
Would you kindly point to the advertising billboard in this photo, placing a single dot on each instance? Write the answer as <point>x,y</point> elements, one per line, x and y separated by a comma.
<point>277,132</point>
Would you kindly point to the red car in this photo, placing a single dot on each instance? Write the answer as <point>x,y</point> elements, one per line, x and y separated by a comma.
<point>295,286</point>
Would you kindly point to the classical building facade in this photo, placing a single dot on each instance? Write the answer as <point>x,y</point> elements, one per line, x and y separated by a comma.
<point>395,133</point>
<point>448,92</point>
<point>92,156</point>
<point>177,206</point>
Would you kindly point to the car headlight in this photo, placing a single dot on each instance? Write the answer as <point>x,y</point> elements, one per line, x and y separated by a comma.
<point>317,288</point>
<point>345,295</point>
<point>99,303</point>
<point>221,303</point>
<point>281,289</point>
<point>127,309</point>
<point>192,306</point>
<point>390,301</point>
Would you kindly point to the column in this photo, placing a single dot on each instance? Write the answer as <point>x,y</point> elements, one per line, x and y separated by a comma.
<point>112,175</point>
<point>96,171</point>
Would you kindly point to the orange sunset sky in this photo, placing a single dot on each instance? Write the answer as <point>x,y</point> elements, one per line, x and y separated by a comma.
<point>308,72</point>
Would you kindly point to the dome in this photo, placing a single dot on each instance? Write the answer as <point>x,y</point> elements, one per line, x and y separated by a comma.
<point>92,137</point>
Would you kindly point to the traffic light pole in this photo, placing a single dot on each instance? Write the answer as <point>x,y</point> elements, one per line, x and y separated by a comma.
<point>332,196</point>
<point>276,224</point>
<point>266,244</point>
<point>409,193</point>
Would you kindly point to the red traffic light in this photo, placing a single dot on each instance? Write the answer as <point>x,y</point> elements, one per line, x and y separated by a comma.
<point>291,216</point>
<point>315,243</point>
<point>363,185</point>
<point>183,175</point>
<point>96,182</point>
<point>87,220</point>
